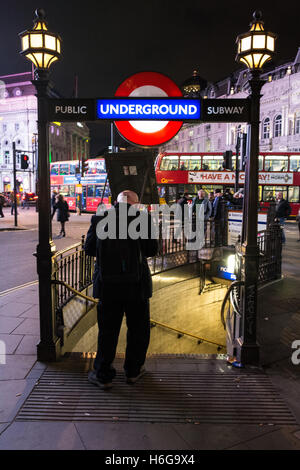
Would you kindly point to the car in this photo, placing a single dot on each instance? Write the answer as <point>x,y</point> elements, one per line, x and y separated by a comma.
<point>30,198</point>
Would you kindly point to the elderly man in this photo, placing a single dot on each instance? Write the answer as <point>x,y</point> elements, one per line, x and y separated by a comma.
<point>202,199</point>
<point>123,284</point>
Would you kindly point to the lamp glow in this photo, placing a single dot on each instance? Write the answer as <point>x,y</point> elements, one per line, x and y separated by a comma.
<point>39,45</point>
<point>255,47</point>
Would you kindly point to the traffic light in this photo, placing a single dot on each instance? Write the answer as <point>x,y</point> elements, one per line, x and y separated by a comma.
<point>24,161</point>
<point>85,167</point>
<point>227,160</point>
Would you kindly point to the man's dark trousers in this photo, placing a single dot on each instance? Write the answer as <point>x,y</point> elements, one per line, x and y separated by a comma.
<point>110,314</point>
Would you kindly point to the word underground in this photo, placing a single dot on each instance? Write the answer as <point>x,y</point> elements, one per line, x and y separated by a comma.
<point>170,221</point>
<point>148,108</point>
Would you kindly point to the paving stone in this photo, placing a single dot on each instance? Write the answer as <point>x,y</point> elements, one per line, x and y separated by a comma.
<point>28,345</point>
<point>16,367</point>
<point>14,309</point>
<point>32,312</point>
<point>13,394</point>
<point>129,436</point>
<point>41,436</point>
<point>218,436</point>
<point>9,324</point>
<point>282,439</point>
<point>30,326</point>
<point>11,342</point>
<point>3,426</point>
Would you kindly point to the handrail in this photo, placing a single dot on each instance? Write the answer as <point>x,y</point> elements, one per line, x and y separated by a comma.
<point>231,287</point>
<point>184,333</point>
<point>181,332</point>
<point>77,292</point>
<point>65,250</point>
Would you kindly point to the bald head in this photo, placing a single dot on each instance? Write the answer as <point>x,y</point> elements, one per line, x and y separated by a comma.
<point>129,197</point>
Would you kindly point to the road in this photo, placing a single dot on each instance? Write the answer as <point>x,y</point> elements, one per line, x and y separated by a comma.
<point>18,265</point>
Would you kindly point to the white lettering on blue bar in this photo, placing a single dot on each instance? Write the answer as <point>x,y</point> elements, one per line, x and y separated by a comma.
<point>148,108</point>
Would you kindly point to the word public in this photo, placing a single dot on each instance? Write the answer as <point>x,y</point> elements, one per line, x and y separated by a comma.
<point>147,108</point>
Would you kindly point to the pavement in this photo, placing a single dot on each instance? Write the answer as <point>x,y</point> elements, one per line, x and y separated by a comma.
<point>20,372</point>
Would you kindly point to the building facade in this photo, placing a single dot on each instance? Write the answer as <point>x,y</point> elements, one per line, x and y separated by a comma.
<point>18,123</point>
<point>279,113</point>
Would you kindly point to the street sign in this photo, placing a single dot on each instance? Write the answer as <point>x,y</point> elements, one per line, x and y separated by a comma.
<point>73,109</point>
<point>225,110</point>
<point>148,85</point>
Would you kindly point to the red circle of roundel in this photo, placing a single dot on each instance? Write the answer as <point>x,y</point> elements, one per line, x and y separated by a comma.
<point>144,138</point>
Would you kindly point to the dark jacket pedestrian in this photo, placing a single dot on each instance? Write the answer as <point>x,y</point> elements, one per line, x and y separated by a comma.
<point>283,209</point>
<point>2,201</point>
<point>62,208</point>
<point>182,202</point>
<point>53,198</point>
<point>129,295</point>
<point>217,208</point>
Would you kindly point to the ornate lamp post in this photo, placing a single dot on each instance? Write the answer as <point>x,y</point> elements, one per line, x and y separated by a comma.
<point>43,48</point>
<point>255,48</point>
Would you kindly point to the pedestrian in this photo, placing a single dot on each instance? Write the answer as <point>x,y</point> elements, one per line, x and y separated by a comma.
<point>283,210</point>
<point>12,202</point>
<point>202,199</point>
<point>182,203</point>
<point>211,197</point>
<point>123,284</point>
<point>25,201</point>
<point>53,198</point>
<point>217,217</point>
<point>62,208</point>
<point>298,220</point>
<point>2,201</point>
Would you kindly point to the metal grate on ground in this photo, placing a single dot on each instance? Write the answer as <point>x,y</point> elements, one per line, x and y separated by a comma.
<point>159,397</point>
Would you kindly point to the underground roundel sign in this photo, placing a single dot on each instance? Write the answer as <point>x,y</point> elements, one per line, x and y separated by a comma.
<point>148,85</point>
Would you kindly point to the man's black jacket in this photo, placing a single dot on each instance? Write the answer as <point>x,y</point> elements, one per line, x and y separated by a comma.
<point>283,209</point>
<point>125,291</point>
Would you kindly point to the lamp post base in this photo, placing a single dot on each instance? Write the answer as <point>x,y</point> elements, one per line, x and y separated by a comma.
<point>248,354</point>
<point>48,352</point>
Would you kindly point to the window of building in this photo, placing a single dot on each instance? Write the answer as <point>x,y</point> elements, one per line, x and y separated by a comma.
<point>212,162</point>
<point>191,133</point>
<point>266,128</point>
<point>294,163</point>
<point>277,125</point>
<point>6,157</point>
<point>276,163</point>
<point>4,127</point>
<point>57,131</point>
<point>52,129</point>
<point>207,145</point>
<point>17,127</point>
<point>169,163</point>
<point>297,125</point>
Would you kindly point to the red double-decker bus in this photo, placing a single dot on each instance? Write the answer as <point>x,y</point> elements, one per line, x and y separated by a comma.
<point>177,173</point>
<point>92,188</point>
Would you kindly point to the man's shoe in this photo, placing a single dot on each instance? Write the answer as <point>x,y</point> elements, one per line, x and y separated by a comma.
<point>92,377</point>
<point>132,380</point>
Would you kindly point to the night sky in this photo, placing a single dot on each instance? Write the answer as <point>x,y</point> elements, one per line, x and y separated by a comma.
<point>106,41</point>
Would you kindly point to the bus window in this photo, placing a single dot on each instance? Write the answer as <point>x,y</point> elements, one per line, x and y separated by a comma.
<point>270,192</point>
<point>276,163</point>
<point>64,190</point>
<point>260,163</point>
<point>100,166</point>
<point>295,163</point>
<point>64,169</point>
<point>71,190</point>
<point>91,190</point>
<point>72,169</point>
<point>169,163</point>
<point>99,190</point>
<point>192,163</point>
<point>212,162</point>
<point>293,193</point>
<point>54,169</point>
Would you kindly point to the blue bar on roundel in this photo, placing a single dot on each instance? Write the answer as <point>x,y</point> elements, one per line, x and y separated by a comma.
<point>161,109</point>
